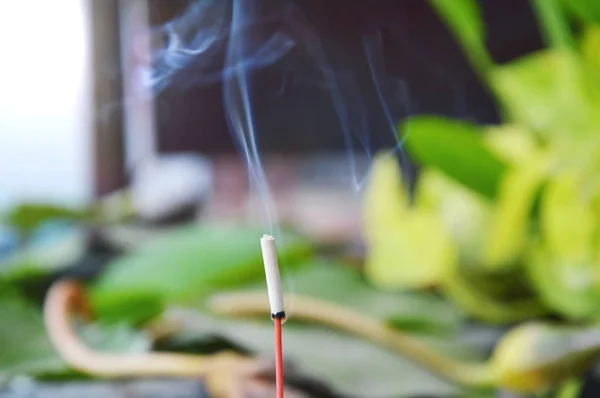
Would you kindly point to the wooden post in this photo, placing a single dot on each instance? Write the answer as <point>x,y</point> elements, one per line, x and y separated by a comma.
<point>107,142</point>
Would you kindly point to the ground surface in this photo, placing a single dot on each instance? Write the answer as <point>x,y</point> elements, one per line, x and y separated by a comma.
<point>94,389</point>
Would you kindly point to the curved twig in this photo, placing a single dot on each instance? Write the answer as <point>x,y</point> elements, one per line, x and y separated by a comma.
<point>222,371</point>
<point>361,325</point>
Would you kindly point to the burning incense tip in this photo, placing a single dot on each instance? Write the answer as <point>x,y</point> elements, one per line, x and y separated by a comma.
<point>269,253</point>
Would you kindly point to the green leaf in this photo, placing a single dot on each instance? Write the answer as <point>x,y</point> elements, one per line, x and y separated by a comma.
<point>555,27</point>
<point>348,365</point>
<point>26,350</point>
<point>456,149</point>
<point>29,216</point>
<point>24,346</point>
<point>464,19</point>
<point>570,389</point>
<point>587,11</point>
<point>187,263</point>
<point>535,357</point>
<point>133,307</point>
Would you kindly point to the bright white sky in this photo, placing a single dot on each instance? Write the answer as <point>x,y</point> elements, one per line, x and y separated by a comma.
<point>44,101</point>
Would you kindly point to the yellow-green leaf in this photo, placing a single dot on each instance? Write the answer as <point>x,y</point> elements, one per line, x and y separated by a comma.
<point>590,49</point>
<point>385,199</point>
<point>512,143</point>
<point>590,46</point>
<point>567,217</point>
<point>493,298</point>
<point>548,92</point>
<point>464,213</point>
<point>535,357</point>
<point>511,218</point>
<point>414,254</point>
<point>568,288</point>
<point>407,248</point>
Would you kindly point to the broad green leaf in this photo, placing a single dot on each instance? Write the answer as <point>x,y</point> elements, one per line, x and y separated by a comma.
<point>464,19</point>
<point>24,347</point>
<point>132,306</point>
<point>335,358</point>
<point>464,213</point>
<point>550,93</point>
<point>536,356</point>
<point>510,222</point>
<point>587,11</point>
<point>456,149</point>
<point>567,219</point>
<point>29,216</point>
<point>494,298</point>
<point>568,288</point>
<point>187,263</point>
<point>26,350</point>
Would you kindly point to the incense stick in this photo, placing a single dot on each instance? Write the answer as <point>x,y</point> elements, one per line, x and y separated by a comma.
<point>278,359</point>
<point>275,291</point>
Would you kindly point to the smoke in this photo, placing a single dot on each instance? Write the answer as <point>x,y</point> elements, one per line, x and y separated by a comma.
<point>199,42</point>
<point>231,41</point>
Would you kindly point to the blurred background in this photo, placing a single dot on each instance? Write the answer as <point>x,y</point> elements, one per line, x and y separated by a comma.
<point>430,166</point>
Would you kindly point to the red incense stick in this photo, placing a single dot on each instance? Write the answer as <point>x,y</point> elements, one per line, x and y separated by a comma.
<point>276,302</point>
<point>278,358</point>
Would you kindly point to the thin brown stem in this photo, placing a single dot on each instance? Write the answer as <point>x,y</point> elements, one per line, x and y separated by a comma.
<point>369,328</point>
<point>223,371</point>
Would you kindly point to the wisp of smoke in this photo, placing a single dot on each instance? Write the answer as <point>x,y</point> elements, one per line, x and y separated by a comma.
<point>230,41</point>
